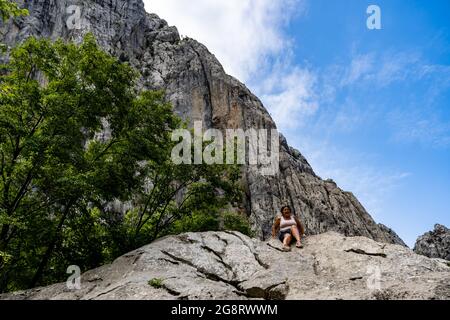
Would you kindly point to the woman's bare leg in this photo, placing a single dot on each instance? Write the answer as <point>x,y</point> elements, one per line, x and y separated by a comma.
<point>287,240</point>
<point>296,235</point>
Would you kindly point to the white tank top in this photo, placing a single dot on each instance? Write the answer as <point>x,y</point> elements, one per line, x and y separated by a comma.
<point>287,224</point>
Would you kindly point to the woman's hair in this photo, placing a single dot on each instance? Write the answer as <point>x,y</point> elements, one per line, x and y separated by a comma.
<point>282,208</point>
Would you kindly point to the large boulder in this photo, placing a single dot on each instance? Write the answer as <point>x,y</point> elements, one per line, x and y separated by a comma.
<point>434,244</point>
<point>229,265</point>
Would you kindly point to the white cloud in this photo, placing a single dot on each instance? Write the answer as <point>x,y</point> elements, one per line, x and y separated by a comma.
<point>289,93</point>
<point>243,34</point>
<point>396,67</point>
<point>343,92</point>
<point>360,66</point>
<point>375,70</point>
<point>420,126</point>
<point>248,38</point>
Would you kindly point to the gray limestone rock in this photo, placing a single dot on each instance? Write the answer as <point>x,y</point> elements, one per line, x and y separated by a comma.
<point>434,244</point>
<point>229,265</point>
<point>391,233</point>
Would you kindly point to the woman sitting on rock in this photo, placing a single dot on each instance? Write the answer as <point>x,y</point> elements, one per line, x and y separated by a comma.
<point>289,227</point>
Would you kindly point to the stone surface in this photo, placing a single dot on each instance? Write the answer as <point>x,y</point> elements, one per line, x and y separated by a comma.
<point>199,89</point>
<point>434,244</point>
<point>229,265</point>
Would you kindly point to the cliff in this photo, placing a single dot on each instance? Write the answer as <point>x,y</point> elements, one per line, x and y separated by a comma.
<point>199,89</point>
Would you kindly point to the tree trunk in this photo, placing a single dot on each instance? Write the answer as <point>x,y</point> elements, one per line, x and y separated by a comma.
<point>48,253</point>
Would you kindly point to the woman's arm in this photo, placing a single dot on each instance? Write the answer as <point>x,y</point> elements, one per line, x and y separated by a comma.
<point>276,227</point>
<point>301,229</point>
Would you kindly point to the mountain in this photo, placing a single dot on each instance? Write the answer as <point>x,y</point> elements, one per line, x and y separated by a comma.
<point>200,90</point>
<point>434,244</point>
<point>229,265</point>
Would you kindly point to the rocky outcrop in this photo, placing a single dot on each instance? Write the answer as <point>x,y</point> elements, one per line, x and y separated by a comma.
<point>434,244</point>
<point>200,90</point>
<point>395,238</point>
<point>229,265</point>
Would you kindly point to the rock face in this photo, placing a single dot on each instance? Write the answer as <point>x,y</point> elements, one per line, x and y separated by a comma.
<point>229,265</point>
<point>200,90</point>
<point>434,244</point>
<point>396,239</point>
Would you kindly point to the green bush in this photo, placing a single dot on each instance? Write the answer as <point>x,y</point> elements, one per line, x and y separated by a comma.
<point>199,221</point>
<point>237,222</point>
<point>156,283</point>
<point>212,220</point>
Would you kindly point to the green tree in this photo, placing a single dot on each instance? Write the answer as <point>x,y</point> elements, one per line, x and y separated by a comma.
<point>75,137</point>
<point>54,99</point>
<point>180,193</point>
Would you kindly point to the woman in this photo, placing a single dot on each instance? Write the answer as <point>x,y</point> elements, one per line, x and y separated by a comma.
<point>289,228</point>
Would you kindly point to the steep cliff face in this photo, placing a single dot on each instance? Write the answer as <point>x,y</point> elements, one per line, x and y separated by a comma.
<point>229,265</point>
<point>200,90</point>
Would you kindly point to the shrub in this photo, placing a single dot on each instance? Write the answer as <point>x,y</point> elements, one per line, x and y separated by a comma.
<point>156,283</point>
<point>237,222</point>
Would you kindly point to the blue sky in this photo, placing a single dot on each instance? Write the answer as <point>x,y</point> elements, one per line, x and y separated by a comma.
<point>368,108</point>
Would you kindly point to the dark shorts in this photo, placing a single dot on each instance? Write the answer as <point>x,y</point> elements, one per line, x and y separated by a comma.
<point>283,234</point>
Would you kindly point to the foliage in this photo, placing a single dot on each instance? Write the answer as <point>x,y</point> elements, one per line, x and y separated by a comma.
<point>75,138</point>
<point>156,283</point>
<point>212,219</point>
<point>197,221</point>
<point>10,9</point>
<point>237,222</point>
<point>182,198</point>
